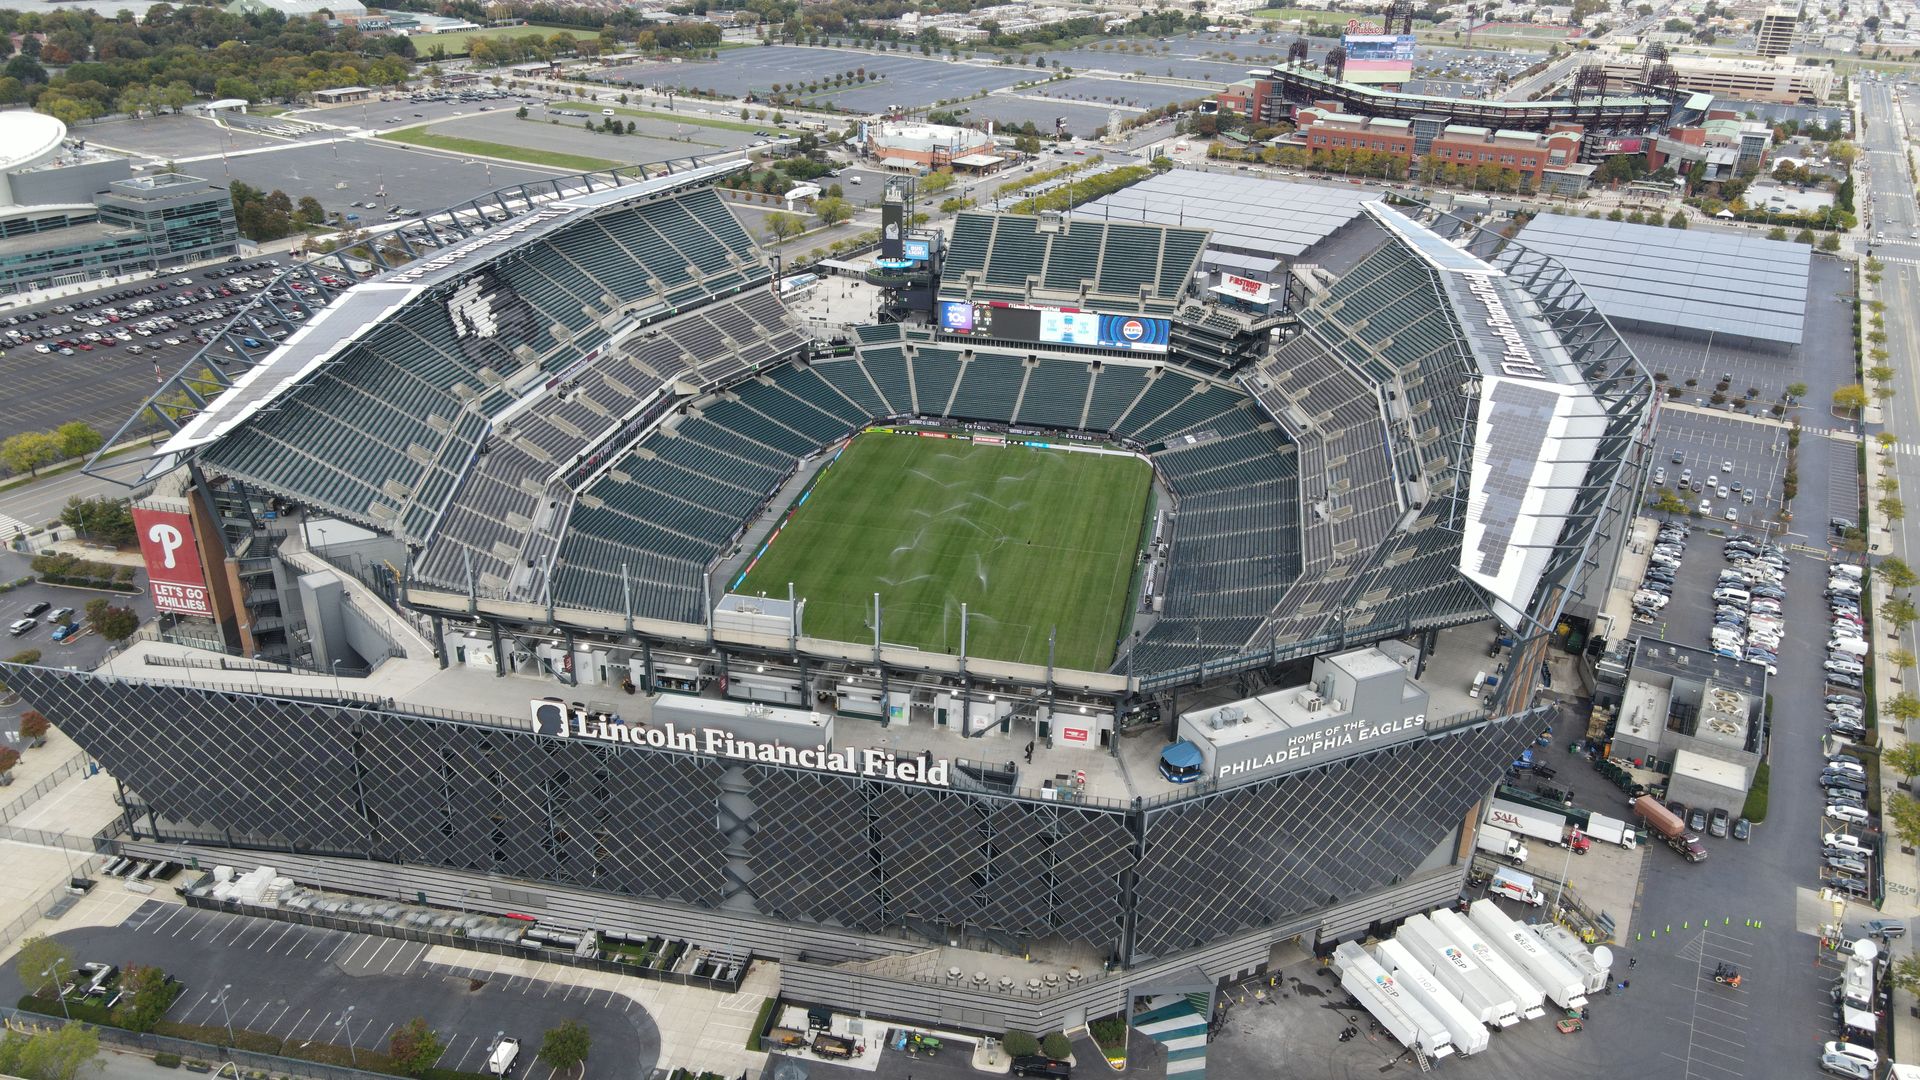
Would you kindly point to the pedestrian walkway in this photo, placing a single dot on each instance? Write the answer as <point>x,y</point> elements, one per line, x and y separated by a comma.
<point>1174,1021</point>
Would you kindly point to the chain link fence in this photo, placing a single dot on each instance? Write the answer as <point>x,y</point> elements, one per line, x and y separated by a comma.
<point>188,1049</point>
<point>13,809</point>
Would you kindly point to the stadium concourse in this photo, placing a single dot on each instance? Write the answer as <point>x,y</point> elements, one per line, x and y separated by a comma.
<point>554,440</point>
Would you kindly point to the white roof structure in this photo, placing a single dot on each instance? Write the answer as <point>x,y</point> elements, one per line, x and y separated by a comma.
<point>1682,279</point>
<point>1248,215</point>
<point>26,139</point>
<point>1538,426</point>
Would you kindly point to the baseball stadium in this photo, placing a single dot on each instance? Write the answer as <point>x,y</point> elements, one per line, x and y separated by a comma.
<point>1081,621</point>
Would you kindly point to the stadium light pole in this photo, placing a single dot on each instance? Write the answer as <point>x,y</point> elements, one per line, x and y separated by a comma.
<point>54,974</point>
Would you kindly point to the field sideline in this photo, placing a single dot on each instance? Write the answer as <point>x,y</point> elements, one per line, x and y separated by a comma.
<point>1030,540</point>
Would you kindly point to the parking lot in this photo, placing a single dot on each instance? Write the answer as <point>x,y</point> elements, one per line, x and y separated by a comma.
<point>894,78</point>
<point>84,651</point>
<point>103,384</point>
<point>298,982</point>
<point>1728,459</point>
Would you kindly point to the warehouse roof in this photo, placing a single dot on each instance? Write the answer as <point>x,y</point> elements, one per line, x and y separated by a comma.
<point>1741,286</point>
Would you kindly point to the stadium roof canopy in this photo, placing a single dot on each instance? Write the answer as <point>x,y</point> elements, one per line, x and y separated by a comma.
<point>340,325</point>
<point>1247,214</point>
<point>1673,279</point>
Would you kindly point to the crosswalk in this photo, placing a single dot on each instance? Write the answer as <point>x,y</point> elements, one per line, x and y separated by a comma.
<point>11,527</point>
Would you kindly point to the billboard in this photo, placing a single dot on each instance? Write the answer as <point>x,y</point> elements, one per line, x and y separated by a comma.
<point>893,229</point>
<point>1378,58</point>
<point>1055,326</point>
<point>173,562</point>
<point>916,250</point>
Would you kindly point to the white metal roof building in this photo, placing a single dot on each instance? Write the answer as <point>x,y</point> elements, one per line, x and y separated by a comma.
<point>1687,282</point>
<point>1258,225</point>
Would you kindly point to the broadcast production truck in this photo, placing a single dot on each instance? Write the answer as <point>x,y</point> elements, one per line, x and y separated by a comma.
<point>1670,828</point>
<point>1495,840</point>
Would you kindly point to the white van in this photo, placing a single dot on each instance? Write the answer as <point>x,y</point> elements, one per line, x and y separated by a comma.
<point>1852,646</point>
<point>1479,681</point>
<point>505,1053</point>
<point>1848,569</point>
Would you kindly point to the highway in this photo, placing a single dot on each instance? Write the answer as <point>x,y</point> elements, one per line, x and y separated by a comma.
<point>1891,212</point>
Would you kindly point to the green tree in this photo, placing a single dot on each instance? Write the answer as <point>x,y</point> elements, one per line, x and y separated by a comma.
<point>1778,232</point>
<point>832,211</point>
<point>1019,1043</point>
<point>1904,759</point>
<point>77,438</point>
<point>1897,574</point>
<point>1900,612</point>
<point>38,956</point>
<point>59,1054</point>
<point>28,451</point>
<point>565,1047</point>
<point>414,1047</point>
<point>1669,503</point>
<point>116,624</point>
<point>1677,221</point>
<point>779,223</point>
<point>148,996</point>
<point>1903,814</point>
<point>1804,236</point>
<point>1830,242</point>
<point>1797,390</point>
<point>1056,1045</point>
<point>1851,397</point>
<point>1905,974</point>
<point>936,182</point>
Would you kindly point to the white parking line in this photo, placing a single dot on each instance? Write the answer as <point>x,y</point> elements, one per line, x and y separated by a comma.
<point>358,945</point>
<point>317,1026</point>
<point>382,1040</point>
<point>397,954</point>
<point>281,1015</point>
<point>295,1026</point>
<point>291,927</point>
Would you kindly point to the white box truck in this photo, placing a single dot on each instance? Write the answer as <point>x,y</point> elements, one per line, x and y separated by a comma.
<point>1528,997</point>
<point>1563,985</point>
<point>1610,830</point>
<point>1469,1035</point>
<point>1478,989</point>
<point>1495,840</point>
<point>1363,977</point>
<point>1527,821</point>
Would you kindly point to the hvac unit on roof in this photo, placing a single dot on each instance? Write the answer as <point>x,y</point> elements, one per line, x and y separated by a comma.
<point>1309,700</point>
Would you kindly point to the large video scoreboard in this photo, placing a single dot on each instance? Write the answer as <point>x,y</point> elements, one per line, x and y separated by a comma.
<point>1054,325</point>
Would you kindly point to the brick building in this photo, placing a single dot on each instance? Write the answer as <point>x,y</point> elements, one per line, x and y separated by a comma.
<point>1531,155</point>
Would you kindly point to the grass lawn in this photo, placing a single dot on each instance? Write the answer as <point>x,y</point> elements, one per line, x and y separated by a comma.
<point>482,148</point>
<point>1030,540</point>
<point>456,42</point>
<point>688,119</point>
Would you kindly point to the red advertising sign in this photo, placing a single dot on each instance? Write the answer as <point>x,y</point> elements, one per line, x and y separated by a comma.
<point>173,562</point>
<point>1074,734</point>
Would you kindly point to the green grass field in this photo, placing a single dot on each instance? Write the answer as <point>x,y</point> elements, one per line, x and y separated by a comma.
<point>1030,540</point>
<point>457,42</point>
<point>454,144</point>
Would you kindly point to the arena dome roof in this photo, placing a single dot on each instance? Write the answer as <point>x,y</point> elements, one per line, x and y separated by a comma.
<point>26,138</point>
<point>928,137</point>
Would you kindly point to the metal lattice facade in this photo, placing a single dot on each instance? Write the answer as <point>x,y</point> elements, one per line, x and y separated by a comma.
<point>250,771</point>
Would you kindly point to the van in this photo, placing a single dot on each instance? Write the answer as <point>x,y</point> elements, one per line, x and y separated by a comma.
<point>1479,680</point>
<point>1852,646</point>
<point>606,112</point>
<point>854,179</point>
<point>505,1053</point>
<point>1846,569</point>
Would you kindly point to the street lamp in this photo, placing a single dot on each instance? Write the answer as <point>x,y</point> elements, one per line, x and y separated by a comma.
<point>336,680</point>
<point>54,974</point>
<point>346,1021</point>
<point>222,999</point>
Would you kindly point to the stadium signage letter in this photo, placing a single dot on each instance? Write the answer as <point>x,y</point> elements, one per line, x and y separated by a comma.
<point>1517,359</point>
<point>549,718</point>
<point>1326,740</point>
<point>506,232</point>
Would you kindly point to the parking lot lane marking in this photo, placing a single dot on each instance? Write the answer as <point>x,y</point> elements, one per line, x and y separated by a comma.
<point>264,1006</point>
<point>284,934</point>
<point>317,1026</point>
<point>266,928</point>
<point>196,1002</point>
<point>281,1015</point>
<point>359,943</point>
<point>462,1059</point>
<point>333,939</point>
<point>165,921</point>
<point>297,1021</point>
<point>382,1040</point>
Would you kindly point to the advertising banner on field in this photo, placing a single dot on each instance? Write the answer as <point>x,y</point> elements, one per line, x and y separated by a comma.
<point>173,562</point>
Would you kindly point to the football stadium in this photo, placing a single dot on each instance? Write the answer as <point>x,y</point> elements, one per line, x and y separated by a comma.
<point>1079,636</point>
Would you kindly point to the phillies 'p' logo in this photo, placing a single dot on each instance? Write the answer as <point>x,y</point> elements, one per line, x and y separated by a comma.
<point>169,539</point>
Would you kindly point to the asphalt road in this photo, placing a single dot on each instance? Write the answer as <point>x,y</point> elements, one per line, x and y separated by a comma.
<point>298,982</point>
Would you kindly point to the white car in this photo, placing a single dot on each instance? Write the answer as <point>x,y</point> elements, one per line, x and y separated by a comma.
<point>1845,1065</point>
<point>1864,1053</point>
<point>1851,814</point>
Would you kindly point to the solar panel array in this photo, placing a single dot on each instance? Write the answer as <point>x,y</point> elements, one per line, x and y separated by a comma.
<point>1275,217</point>
<point>1686,279</point>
